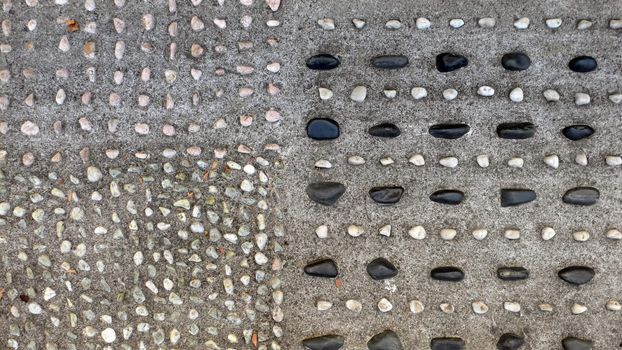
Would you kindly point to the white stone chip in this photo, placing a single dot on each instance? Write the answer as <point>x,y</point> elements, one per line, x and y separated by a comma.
<point>554,23</point>
<point>418,93</point>
<point>359,93</point>
<point>487,22</point>
<point>322,231</point>
<point>450,94</point>
<point>511,306</point>
<point>356,160</point>
<point>615,23</point>
<point>325,94</point>
<point>417,232</point>
<point>614,305</point>
<point>355,230</point>
<point>516,95</point>
<point>485,91</point>
<point>354,305</point>
<point>613,160</point>
<point>581,99</point>
<point>422,23</point>
<point>578,309</point>
<point>516,162</point>
<point>416,306</point>
<point>109,335</point>
<point>615,97</point>
<point>479,307</point>
<point>512,234</point>
<point>417,159</point>
<point>384,305</point>
<point>393,24</point>
<point>323,164</point>
<point>448,234</point>
<point>358,23</point>
<point>522,23</point>
<point>326,23</point>
<point>581,236</point>
<point>483,160</point>
<point>614,234</point>
<point>581,158</point>
<point>552,161</point>
<point>456,23</point>
<point>390,93</point>
<point>385,231</point>
<point>551,95</point>
<point>323,305</point>
<point>584,24</point>
<point>34,308</point>
<point>480,234</point>
<point>547,233</point>
<point>93,174</point>
<point>449,162</point>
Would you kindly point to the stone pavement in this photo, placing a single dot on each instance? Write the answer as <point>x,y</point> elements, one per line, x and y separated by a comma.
<point>310,174</point>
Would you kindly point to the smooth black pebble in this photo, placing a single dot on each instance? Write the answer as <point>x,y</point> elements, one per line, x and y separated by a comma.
<point>322,61</point>
<point>386,194</point>
<point>322,268</point>
<point>516,196</point>
<point>510,341</point>
<point>572,343</point>
<point>324,342</point>
<point>515,61</point>
<point>380,269</point>
<point>581,196</point>
<point>516,131</point>
<point>512,273</point>
<point>447,197</point>
<point>326,193</point>
<point>389,61</point>
<point>576,274</point>
<point>447,62</point>
<point>449,131</point>
<point>447,273</point>
<point>322,129</point>
<point>385,130</point>
<point>386,340</point>
<point>582,64</point>
<point>447,344</point>
<point>578,132</point>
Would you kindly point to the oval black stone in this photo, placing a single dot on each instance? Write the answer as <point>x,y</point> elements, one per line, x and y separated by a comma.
<point>326,193</point>
<point>510,341</point>
<point>516,196</point>
<point>322,268</point>
<point>447,62</point>
<point>380,269</point>
<point>512,273</point>
<point>582,64</point>
<point>389,61</point>
<point>322,61</point>
<point>387,194</point>
<point>447,344</point>
<point>572,343</point>
<point>386,340</point>
<point>322,129</point>
<point>447,273</point>
<point>581,196</point>
<point>447,197</point>
<point>515,61</point>
<point>577,132</point>
<point>449,131</point>
<point>385,130</point>
<point>324,342</point>
<point>576,274</point>
<point>516,131</point>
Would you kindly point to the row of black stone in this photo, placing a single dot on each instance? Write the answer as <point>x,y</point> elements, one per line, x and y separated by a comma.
<point>389,340</point>
<point>322,129</point>
<point>328,193</point>
<point>448,62</point>
<point>381,269</point>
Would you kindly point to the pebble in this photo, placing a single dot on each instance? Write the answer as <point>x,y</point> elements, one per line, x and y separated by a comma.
<point>615,97</point>
<point>483,160</point>
<point>447,308</point>
<point>572,343</point>
<point>386,194</point>
<point>355,230</point>
<point>516,130</point>
<point>512,234</point>
<point>578,309</point>
<point>515,61</point>
<point>479,307</point>
<point>512,273</point>
<point>578,132</point>
<point>358,23</point>
<point>614,305</point>
<point>354,305</point>
<point>322,268</point>
<point>387,130</point>
<point>390,93</point>
<point>325,193</point>
<point>380,269</point>
<point>516,162</point>
<point>323,342</point>
<point>34,308</point>
<point>581,99</point>
<point>447,273</point>
<point>386,340</point>
<point>359,94</point>
<point>516,196</point>
<point>584,24</point>
<point>322,231</point>
<point>581,196</point>
<point>545,307</point>
<point>522,23</point>
<point>480,234</point>
<point>422,23</point>
<point>576,275</point>
<point>323,305</point>
<point>273,4</point>
<point>385,231</point>
<point>551,95</point>
<point>417,160</point>
<point>93,174</point>
<point>449,62</point>
<point>389,61</point>
<point>485,91</point>
<point>547,233</point>
<point>322,129</point>
<point>322,62</point>
<point>450,343</point>
<point>486,22</point>
<point>326,23</point>
<point>386,161</point>
<point>416,306</point>
<point>109,335</point>
<point>393,24</point>
<point>554,23</point>
<point>450,94</point>
<point>417,232</point>
<point>325,94</point>
<point>418,93</point>
<point>615,23</point>
<point>356,160</point>
<point>452,197</point>
<point>510,341</point>
<point>581,236</point>
<point>613,160</point>
<point>582,64</point>
<point>449,131</point>
<point>448,234</point>
<point>552,161</point>
<point>581,158</point>
<point>384,305</point>
<point>614,234</point>
<point>456,23</point>
<point>29,128</point>
<point>449,162</point>
<point>323,164</point>
<point>517,95</point>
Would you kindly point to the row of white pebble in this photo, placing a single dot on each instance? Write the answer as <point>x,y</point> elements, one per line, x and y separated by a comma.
<point>91,5</point>
<point>423,23</point>
<point>419,233</point>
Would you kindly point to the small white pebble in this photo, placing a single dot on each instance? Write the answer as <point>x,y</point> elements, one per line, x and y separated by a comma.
<point>326,23</point>
<point>384,305</point>
<point>615,23</point>
<point>322,231</point>
<point>522,23</point>
<point>323,164</point>
<point>450,94</point>
<point>354,305</point>
<point>390,93</point>
<point>417,232</point>
<point>486,91</point>
<point>578,309</point>
<point>584,24</point>
<point>358,23</point>
<point>355,230</point>
<point>447,308</point>
<point>386,161</point>
<point>581,236</point>
<point>422,23</point>
<point>325,94</point>
<point>356,160</point>
<point>615,97</point>
<point>480,234</point>
<point>393,24</point>
<point>416,306</point>
<point>323,305</point>
<point>385,231</point>
<point>511,306</point>
<point>551,95</point>
<point>614,305</point>
<point>479,307</point>
<point>419,93</point>
<point>552,161</point>
<point>581,99</point>
<point>449,162</point>
<point>359,94</point>
<point>547,233</point>
<point>417,159</point>
<point>516,162</point>
<point>613,160</point>
<point>448,234</point>
<point>487,22</point>
<point>554,23</point>
<point>581,158</point>
<point>456,23</point>
<point>483,160</point>
<point>614,234</point>
<point>109,335</point>
<point>516,95</point>
<point>512,234</point>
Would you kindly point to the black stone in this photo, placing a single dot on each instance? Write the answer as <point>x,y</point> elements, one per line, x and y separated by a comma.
<point>326,193</point>
<point>322,61</point>
<point>386,340</point>
<point>447,62</point>
<point>510,341</point>
<point>389,61</point>
<point>322,268</point>
<point>577,132</point>
<point>516,196</point>
<point>512,273</point>
<point>572,343</point>
<point>447,344</point>
<point>582,64</point>
<point>515,61</point>
<point>324,342</point>
<point>385,130</point>
<point>387,194</point>
<point>447,273</point>
<point>581,196</point>
<point>447,197</point>
<point>322,129</point>
<point>449,131</point>
<point>381,268</point>
<point>576,274</point>
<point>516,131</point>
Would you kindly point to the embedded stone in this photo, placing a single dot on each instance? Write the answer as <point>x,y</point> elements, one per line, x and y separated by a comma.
<point>516,196</point>
<point>516,131</point>
<point>448,62</point>
<point>581,196</point>
<point>582,64</point>
<point>452,343</point>
<point>512,273</point>
<point>510,341</point>
<point>389,61</point>
<point>452,197</point>
<point>447,273</point>
<point>324,342</point>
<point>386,194</point>
<point>322,129</point>
<point>572,343</point>
<point>322,268</point>
<point>449,131</point>
<point>578,132</point>
<point>326,193</point>
<point>322,61</point>
<point>515,61</point>
<point>385,130</point>
<point>380,269</point>
<point>386,340</point>
<point>576,275</point>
